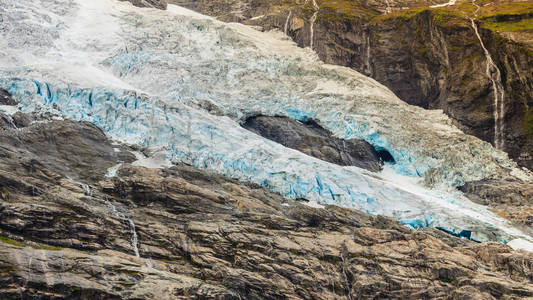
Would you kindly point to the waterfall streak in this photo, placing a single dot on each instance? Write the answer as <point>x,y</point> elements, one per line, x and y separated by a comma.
<point>367,57</point>
<point>286,27</point>
<point>493,73</point>
<point>121,216</point>
<point>312,26</point>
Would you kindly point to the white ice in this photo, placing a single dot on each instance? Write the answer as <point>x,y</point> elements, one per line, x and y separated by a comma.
<point>158,160</point>
<point>112,172</point>
<point>521,244</point>
<point>9,109</point>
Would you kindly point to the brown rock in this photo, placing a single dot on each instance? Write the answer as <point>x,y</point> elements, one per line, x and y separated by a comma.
<point>204,236</point>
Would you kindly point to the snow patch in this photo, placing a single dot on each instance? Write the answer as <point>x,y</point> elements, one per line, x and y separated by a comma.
<point>158,160</point>
<point>9,109</point>
<point>521,244</point>
<point>112,172</point>
<point>449,3</point>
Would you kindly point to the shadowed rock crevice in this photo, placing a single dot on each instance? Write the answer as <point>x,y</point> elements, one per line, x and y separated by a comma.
<point>314,140</point>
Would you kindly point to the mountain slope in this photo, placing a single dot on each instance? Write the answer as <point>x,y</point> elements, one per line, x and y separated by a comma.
<point>148,153</point>
<point>181,84</point>
<point>187,233</point>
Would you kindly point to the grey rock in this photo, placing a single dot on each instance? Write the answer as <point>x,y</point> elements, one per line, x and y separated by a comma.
<point>6,99</point>
<point>78,150</point>
<point>160,4</point>
<point>21,119</point>
<point>6,122</point>
<point>312,139</point>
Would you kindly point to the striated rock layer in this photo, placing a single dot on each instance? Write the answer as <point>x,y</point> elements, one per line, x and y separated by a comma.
<point>203,236</point>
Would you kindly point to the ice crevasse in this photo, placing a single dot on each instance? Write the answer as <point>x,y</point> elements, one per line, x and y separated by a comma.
<point>182,82</point>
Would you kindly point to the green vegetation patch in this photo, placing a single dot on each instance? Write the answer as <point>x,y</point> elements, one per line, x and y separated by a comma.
<point>450,18</point>
<point>521,25</point>
<point>508,9</point>
<point>443,17</point>
<point>509,17</point>
<point>515,16</point>
<point>12,242</point>
<point>399,16</point>
<point>9,241</point>
<point>46,247</point>
<point>346,9</point>
<point>528,122</point>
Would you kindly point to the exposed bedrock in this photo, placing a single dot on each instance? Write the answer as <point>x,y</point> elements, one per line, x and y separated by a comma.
<point>512,200</point>
<point>312,139</point>
<point>429,58</point>
<point>205,236</point>
<point>78,150</point>
<point>438,65</point>
<point>161,4</point>
<point>5,98</point>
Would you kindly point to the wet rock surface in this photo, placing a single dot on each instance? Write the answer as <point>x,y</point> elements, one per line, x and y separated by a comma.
<point>204,236</point>
<point>312,139</point>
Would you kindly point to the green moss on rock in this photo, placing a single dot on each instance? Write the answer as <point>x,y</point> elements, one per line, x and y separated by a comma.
<point>9,241</point>
<point>528,122</point>
<point>12,242</point>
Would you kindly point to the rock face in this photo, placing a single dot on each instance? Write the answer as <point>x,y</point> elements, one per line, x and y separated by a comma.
<point>512,200</point>
<point>428,57</point>
<point>312,139</point>
<point>439,64</point>
<point>67,231</point>
<point>79,151</point>
<point>5,98</point>
<point>161,4</point>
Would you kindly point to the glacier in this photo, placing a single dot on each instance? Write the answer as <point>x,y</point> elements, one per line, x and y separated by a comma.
<point>180,83</point>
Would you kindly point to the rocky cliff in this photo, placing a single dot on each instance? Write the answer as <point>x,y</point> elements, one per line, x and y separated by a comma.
<point>428,56</point>
<point>67,231</point>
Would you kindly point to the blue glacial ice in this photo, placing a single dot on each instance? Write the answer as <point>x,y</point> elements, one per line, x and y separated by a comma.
<point>182,83</point>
